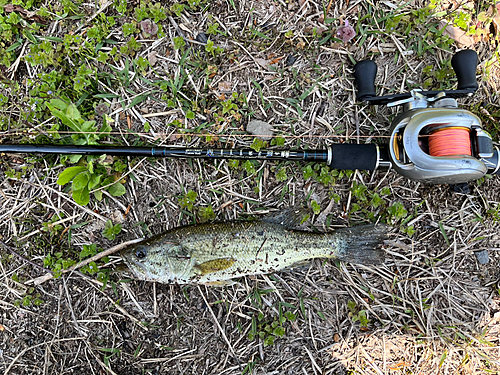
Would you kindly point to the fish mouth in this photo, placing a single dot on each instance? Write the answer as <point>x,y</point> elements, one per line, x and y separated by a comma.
<point>138,266</point>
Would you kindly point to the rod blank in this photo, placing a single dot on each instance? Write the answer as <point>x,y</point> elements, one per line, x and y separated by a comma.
<point>170,152</point>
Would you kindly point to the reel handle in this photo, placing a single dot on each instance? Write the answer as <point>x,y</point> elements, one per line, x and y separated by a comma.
<point>364,75</point>
<point>464,64</point>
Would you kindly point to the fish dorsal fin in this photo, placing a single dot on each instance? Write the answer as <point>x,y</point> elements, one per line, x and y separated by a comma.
<point>215,265</point>
<point>289,217</point>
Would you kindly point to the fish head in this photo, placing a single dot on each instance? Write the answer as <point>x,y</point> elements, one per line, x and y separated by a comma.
<point>161,262</point>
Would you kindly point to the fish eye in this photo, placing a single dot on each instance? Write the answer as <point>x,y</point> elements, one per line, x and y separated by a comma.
<point>141,253</point>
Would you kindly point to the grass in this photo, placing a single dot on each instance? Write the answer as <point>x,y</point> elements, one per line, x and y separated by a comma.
<point>193,73</point>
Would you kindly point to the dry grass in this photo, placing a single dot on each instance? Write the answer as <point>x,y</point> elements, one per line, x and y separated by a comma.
<point>431,308</point>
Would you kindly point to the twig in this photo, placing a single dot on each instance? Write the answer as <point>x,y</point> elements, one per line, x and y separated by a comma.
<point>36,346</point>
<point>114,249</point>
<point>23,258</point>
<point>220,328</point>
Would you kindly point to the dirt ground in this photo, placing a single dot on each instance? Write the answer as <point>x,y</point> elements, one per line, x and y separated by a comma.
<point>431,308</point>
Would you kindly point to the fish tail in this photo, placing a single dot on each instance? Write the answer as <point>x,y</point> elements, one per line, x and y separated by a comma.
<point>362,244</point>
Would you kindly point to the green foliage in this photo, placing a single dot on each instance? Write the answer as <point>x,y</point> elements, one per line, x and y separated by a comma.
<point>322,174</point>
<point>357,315</point>
<point>278,141</point>
<point>315,207</point>
<point>396,212</point>
<point>129,29</point>
<point>110,230</point>
<point>212,28</point>
<point>179,42</point>
<point>270,330</point>
<point>281,175</point>
<point>214,50</point>
<point>206,214</point>
<point>155,11</point>
<point>187,201</point>
<point>90,177</point>
<point>438,79</point>
<point>92,267</point>
<point>121,6</point>
<point>57,263</point>
<point>420,28</point>
<point>52,228</point>
<point>258,144</point>
<point>86,132</point>
<point>177,8</point>
<point>249,167</point>
<point>88,251</point>
<point>462,20</point>
<point>91,173</point>
<point>29,298</point>
<point>101,27</point>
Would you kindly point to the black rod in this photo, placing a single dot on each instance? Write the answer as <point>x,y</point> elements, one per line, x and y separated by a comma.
<point>170,152</point>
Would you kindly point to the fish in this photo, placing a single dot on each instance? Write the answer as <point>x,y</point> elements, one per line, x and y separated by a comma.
<point>218,253</point>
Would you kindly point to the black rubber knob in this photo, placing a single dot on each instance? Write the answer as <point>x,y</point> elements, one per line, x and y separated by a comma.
<point>464,64</point>
<point>364,74</point>
<point>351,156</point>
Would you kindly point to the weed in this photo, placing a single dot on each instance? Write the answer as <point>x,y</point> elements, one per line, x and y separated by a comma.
<point>206,214</point>
<point>420,27</point>
<point>57,263</point>
<point>51,227</point>
<point>315,207</point>
<point>270,330</point>
<point>187,200</point>
<point>29,297</point>
<point>258,144</point>
<point>110,230</point>
<point>357,315</point>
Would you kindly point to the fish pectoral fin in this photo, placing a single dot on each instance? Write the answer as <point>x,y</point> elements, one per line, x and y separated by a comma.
<point>220,283</point>
<point>215,265</point>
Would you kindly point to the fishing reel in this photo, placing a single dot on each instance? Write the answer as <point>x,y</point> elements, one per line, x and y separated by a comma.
<point>432,140</point>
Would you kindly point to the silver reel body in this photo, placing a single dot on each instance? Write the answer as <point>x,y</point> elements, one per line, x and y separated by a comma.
<point>421,116</point>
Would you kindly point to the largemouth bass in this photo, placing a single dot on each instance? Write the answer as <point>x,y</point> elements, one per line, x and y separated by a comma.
<point>217,253</point>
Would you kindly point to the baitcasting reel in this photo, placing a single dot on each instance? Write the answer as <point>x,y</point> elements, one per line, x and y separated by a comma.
<point>434,141</point>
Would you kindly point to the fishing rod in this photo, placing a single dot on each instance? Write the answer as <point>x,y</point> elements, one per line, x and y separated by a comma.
<point>432,140</point>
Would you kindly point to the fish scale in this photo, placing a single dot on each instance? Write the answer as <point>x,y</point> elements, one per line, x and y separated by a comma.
<point>217,253</point>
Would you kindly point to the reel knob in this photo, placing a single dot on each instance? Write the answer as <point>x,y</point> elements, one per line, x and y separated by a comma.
<point>464,64</point>
<point>365,72</point>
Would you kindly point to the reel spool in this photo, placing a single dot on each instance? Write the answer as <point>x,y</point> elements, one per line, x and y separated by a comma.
<point>451,141</point>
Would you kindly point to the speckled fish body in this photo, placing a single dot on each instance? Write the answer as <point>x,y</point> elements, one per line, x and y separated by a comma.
<point>216,253</point>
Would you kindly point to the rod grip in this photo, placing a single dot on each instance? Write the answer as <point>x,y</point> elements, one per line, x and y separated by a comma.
<point>352,156</point>
<point>464,64</point>
<point>364,74</point>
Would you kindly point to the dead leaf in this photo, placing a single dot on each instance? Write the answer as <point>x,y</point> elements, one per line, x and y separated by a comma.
<point>262,62</point>
<point>152,58</point>
<point>225,86</point>
<point>457,34</point>
<point>32,16</point>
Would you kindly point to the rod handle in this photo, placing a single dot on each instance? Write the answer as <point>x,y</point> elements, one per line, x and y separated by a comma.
<point>464,64</point>
<point>365,72</point>
<point>350,156</point>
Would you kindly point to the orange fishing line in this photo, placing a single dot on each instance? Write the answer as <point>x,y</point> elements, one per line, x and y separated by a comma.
<point>450,141</point>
